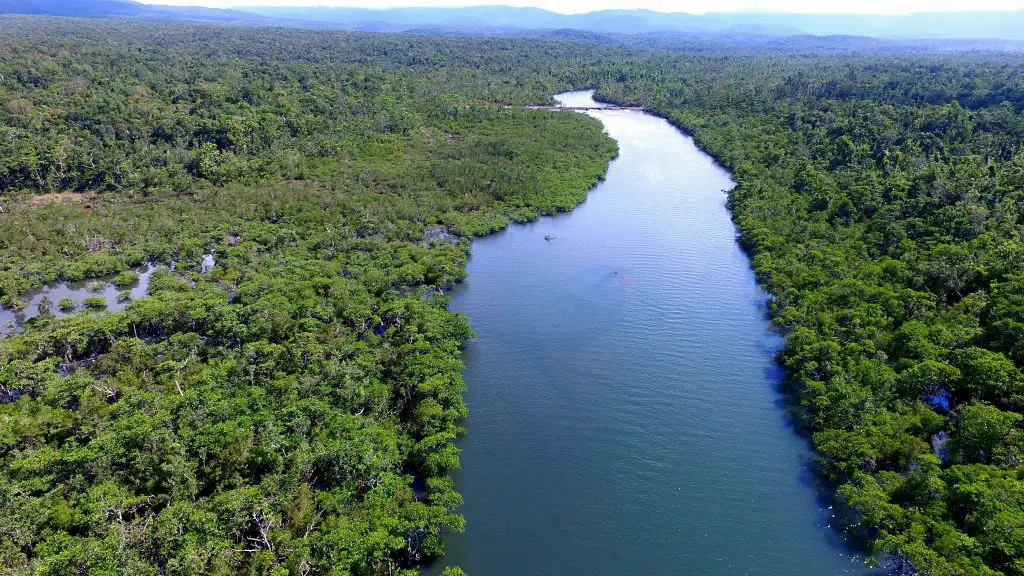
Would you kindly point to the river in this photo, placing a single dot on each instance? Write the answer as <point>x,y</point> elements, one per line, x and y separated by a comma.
<point>625,416</point>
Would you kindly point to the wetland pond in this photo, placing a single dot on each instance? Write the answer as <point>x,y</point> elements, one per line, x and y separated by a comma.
<point>79,295</point>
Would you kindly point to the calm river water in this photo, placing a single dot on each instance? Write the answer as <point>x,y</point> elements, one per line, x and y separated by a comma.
<point>624,412</point>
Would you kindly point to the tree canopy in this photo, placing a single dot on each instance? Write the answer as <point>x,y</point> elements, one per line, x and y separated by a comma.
<point>294,409</point>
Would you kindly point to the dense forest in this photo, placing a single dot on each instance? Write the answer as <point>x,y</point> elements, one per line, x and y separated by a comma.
<point>882,200</point>
<point>294,409</point>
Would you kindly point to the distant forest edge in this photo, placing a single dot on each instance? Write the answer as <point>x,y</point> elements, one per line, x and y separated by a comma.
<point>1007,25</point>
<point>295,409</point>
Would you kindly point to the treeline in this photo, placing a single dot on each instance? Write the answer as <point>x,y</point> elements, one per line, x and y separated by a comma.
<point>882,200</point>
<point>294,410</point>
<point>143,108</point>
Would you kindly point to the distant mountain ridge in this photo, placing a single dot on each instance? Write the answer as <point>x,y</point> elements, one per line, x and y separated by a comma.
<point>136,10</point>
<point>505,19</point>
<point>925,25</point>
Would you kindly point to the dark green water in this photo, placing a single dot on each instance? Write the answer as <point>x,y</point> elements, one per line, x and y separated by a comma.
<point>624,412</point>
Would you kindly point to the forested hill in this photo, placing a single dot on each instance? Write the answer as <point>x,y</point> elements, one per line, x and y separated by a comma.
<point>294,408</point>
<point>135,10</point>
<point>1005,25</point>
<point>497,19</point>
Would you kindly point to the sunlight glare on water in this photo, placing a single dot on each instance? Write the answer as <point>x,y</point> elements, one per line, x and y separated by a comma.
<point>624,408</point>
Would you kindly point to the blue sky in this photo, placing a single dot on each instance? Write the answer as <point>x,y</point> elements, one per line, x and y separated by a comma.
<point>692,6</point>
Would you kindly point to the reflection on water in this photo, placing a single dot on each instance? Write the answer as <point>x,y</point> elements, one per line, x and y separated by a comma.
<point>623,395</point>
<point>69,298</point>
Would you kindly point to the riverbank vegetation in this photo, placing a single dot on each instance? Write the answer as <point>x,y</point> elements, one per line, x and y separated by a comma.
<point>294,409</point>
<point>882,200</point>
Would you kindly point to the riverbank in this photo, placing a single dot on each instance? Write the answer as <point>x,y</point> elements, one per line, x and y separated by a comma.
<point>622,387</point>
<point>306,385</point>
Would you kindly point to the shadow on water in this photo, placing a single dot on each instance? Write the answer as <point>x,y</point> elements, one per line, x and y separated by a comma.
<point>840,525</point>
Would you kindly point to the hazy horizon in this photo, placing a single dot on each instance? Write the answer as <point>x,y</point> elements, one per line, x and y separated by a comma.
<point>873,7</point>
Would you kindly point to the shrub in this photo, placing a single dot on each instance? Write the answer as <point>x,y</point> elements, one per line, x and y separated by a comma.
<point>95,302</point>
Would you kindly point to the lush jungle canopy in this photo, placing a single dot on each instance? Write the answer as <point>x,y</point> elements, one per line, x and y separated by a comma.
<point>882,199</point>
<point>294,409</point>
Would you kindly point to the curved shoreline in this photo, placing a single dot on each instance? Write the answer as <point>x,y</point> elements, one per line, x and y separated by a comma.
<point>795,414</point>
<point>548,423</point>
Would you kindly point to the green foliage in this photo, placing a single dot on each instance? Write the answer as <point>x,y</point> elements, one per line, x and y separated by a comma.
<point>294,410</point>
<point>882,201</point>
<point>125,279</point>
<point>95,302</point>
<point>987,435</point>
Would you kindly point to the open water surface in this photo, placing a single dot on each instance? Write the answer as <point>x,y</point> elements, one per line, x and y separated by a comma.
<point>624,408</point>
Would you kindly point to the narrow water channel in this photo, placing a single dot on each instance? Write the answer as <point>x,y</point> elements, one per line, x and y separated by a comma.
<point>624,408</point>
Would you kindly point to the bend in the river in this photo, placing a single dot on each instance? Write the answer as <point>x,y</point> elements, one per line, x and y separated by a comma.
<point>625,417</point>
